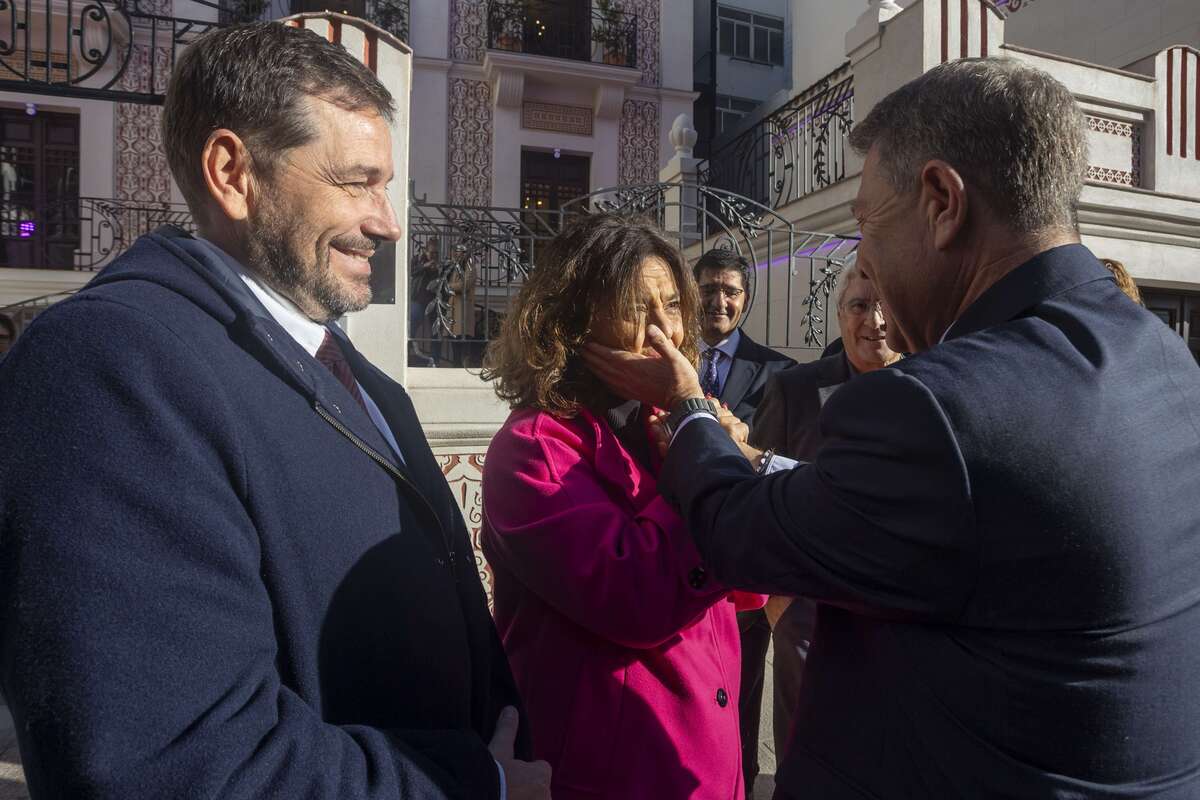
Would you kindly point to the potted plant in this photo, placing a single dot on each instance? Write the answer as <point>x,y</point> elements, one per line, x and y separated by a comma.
<point>610,30</point>
<point>506,23</point>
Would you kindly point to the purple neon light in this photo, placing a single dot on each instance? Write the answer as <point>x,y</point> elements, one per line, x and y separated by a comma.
<point>27,229</point>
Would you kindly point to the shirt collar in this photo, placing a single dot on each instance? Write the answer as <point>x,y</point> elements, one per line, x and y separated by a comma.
<point>727,346</point>
<point>307,333</point>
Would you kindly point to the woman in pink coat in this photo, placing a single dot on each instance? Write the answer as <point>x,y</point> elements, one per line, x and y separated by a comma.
<point>624,647</point>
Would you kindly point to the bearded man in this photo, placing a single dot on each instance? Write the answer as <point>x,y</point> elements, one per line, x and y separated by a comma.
<point>230,565</point>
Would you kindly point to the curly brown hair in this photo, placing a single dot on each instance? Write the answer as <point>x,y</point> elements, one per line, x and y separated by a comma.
<point>1124,280</point>
<point>592,269</point>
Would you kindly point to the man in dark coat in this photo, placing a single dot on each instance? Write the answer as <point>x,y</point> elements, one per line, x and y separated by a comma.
<point>229,564</point>
<point>735,369</point>
<point>1001,531</point>
<point>786,423</point>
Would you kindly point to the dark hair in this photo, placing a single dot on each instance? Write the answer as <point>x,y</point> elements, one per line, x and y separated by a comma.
<point>591,269</point>
<point>718,260</point>
<point>1012,131</point>
<point>253,79</point>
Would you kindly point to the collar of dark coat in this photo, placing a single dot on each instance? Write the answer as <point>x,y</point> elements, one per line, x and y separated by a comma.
<point>197,274</point>
<point>1047,274</point>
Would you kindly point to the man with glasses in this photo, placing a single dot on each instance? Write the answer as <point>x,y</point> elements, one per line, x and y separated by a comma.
<point>735,370</point>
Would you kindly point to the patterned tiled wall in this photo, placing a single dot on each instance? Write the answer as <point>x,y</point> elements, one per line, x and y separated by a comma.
<point>469,150</point>
<point>649,38</point>
<point>1115,151</point>
<point>639,142</point>
<point>464,473</point>
<point>468,30</point>
<point>141,163</point>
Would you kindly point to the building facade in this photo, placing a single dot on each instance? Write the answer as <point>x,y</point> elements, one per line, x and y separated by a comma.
<point>1141,200</point>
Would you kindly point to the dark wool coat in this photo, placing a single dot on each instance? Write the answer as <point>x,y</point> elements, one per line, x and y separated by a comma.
<point>208,586</point>
<point>1003,536</point>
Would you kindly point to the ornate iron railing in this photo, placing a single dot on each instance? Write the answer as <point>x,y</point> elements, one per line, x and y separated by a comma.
<point>797,150</point>
<point>79,234</point>
<point>602,34</point>
<point>119,50</point>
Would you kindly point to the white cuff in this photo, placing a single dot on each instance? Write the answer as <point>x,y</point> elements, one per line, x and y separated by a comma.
<point>503,781</point>
<point>780,463</point>
<point>689,418</point>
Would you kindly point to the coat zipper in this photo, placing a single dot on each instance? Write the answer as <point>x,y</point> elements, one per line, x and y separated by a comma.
<point>397,475</point>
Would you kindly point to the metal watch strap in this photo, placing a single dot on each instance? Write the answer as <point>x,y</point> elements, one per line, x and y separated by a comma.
<point>681,411</point>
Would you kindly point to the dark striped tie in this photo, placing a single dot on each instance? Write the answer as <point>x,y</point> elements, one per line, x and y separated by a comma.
<point>709,378</point>
<point>330,354</point>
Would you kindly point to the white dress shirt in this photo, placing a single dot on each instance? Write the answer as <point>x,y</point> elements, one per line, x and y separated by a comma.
<point>307,333</point>
<point>726,347</point>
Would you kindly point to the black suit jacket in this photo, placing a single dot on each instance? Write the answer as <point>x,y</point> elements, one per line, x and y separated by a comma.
<point>786,420</point>
<point>752,367</point>
<point>1004,536</point>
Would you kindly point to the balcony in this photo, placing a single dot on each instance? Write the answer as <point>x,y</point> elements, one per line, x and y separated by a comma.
<point>83,234</point>
<point>797,150</point>
<point>564,29</point>
<point>391,15</point>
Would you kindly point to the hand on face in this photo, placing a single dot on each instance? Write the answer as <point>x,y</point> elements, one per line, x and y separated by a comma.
<point>660,380</point>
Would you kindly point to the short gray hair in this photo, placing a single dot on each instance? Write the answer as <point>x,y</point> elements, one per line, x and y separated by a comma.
<point>845,278</point>
<point>1013,132</point>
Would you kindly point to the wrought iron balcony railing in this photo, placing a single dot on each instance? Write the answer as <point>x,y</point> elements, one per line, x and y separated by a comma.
<point>84,233</point>
<point>391,15</point>
<point>91,48</point>
<point>797,150</point>
<point>564,29</point>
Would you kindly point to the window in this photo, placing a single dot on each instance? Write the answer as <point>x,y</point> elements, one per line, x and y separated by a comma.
<point>548,182</point>
<point>39,206</point>
<point>754,37</point>
<point>730,111</point>
<point>1179,311</point>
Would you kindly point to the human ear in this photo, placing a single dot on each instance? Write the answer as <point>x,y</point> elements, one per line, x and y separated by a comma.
<point>225,164</point>
<point>943,202</point>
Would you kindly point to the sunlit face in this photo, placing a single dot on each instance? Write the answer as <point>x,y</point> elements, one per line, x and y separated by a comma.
<point>864,329</point>
<point>895,254</point>
<point>318,219</point>
<point>722,298</point>
<point>658,304</point>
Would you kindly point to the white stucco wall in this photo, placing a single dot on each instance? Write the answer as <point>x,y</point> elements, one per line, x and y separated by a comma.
<point>1115,33</point>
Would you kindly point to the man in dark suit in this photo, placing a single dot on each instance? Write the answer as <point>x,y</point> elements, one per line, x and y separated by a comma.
<point>735,369</point>
<point>786,423</point>
<point>1001,531</point>
<point>229,563</point>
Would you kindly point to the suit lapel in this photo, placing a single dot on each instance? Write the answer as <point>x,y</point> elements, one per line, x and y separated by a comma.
<point>742,373</point>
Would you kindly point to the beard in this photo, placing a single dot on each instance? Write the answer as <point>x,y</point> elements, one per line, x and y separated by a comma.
<point>275,251</point>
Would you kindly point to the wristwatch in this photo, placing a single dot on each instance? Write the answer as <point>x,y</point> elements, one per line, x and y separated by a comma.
<point>681,411</point>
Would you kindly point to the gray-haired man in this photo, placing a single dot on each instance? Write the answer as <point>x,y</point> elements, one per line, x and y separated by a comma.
<point>1001,532</point>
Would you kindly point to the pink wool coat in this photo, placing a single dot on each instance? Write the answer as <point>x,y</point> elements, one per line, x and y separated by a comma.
<point>625,650</point>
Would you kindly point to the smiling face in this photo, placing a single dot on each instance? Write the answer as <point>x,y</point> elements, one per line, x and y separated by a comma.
<point>324,210</point>
<point>722,298</point>
<point>658,303</point>
<point>864,329</point>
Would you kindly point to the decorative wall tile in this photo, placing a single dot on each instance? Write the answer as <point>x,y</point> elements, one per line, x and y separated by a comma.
<point>464,473</point>
<point>1115,151</point>
<point>555,117</point>
<point>141,171</point>
<point>649,37</point>
<point>468,30</point>
<point>469,145</point>
<point>639,146</point>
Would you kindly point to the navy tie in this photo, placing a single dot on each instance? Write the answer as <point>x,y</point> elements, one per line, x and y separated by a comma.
<point>709,380</point>
<point>331,355</point>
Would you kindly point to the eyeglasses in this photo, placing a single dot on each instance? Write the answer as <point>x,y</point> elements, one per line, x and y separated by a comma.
<point>861,308</point>
<point>710,290</point>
